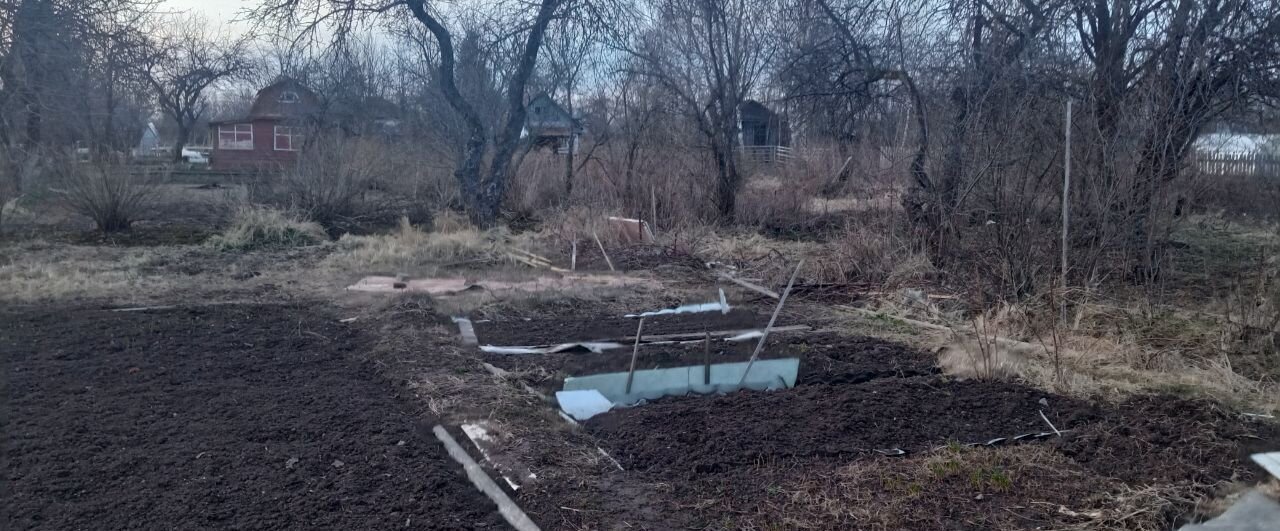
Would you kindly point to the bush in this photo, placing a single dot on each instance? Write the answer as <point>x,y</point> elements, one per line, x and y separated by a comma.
<point>114,197</point>
<point>266,228</point>
<point>356,184</point>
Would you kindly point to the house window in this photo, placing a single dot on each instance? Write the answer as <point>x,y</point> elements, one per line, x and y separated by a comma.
<point>235,136</point>
<point>288,138</point>
<point>288,96</point>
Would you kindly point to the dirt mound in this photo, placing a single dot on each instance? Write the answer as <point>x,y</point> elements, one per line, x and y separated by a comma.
<point>218,417</point>
<point>819,422</point>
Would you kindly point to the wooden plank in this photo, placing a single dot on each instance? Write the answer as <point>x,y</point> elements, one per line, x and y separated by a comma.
<point>507,508</point>
<point>700,335</point>
<point>753,287</point>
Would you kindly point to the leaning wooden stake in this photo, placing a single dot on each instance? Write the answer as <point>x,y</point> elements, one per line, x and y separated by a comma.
<point>635,350</point>
<point>776,310</point>
<point>602,251</point>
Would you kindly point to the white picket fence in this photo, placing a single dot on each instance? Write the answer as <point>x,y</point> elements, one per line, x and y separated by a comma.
<point>1238,164</point>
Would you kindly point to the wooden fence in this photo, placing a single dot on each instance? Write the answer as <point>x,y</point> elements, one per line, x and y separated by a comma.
<point>767,154</point>
<point>1238,164</point>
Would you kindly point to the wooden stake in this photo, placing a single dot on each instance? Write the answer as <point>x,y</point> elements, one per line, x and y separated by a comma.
<point>776,310</point>
<point>602,251</point>
<point>1066,207</point>
<point>573,256</point>
<point>635,351</point>
<point>653,211</point>
<point>706,358</point>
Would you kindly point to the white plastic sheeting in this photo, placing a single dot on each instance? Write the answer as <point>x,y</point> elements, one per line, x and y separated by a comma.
<point>582,405</point>
<point>678,381</point>
<point>721,306</point>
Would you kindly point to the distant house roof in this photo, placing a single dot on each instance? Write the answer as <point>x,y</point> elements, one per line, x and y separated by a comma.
<point>1238,144</point>
<point>287,98</point>
<point>545,117</point>
<point>754,111</point>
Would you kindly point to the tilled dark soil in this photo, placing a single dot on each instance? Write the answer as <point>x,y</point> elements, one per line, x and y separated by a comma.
<point>226,417</point>
<point>748,452</point>
<point>826,422</point>
<point>1166,439</point>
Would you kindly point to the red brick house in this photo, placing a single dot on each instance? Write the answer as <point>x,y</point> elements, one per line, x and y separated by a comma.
<point>272,135</point>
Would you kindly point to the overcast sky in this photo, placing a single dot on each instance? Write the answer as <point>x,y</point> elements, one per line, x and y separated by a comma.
<point>222,12</point>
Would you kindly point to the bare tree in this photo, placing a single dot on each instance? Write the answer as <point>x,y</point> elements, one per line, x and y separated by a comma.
<point>183,63</point>
<point>486,162</point>
<point>710,55</point>
<point>54,71</point>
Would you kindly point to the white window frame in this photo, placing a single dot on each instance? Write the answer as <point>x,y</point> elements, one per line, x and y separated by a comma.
<point>293,133</point>
<point>235,131</point>
<point>288,96</point>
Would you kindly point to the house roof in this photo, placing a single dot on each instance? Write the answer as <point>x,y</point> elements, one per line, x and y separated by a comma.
<point>545,115</point>
<point>754,111</point>
<point>1237,144</point>
<point>286,98</point>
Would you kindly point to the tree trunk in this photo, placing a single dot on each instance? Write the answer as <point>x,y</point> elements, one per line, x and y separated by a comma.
<point>726,184</point>
<point>180,142</point>
<point>568,168</point>
<point>573,144</point>
<point>468,171</point>
<point>495,186</point>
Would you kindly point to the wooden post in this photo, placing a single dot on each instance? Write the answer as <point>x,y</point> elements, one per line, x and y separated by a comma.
<point>635,351</point>
<point>573,256</point>
<point>706,358</point>
<point>776,310</point>
<point>602,251</point>
<point>1066,206</point>
<point>653,209</point>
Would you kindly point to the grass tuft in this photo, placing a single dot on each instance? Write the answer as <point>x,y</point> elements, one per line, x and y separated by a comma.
<point>255,228</point>
<point>410,249</point>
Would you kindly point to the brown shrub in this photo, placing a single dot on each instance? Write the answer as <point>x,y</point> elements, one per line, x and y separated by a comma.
<point>113,196</point>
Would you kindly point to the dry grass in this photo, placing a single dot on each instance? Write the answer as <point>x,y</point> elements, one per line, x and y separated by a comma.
<point>857,255</point>
<point>257,227</point>
<point>982,358</point>
<point>1025,483</point>
<point>36,271</point>
<point>409,249</point>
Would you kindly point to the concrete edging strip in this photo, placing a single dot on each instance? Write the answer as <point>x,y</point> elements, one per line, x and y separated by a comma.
<point>509,510</point>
